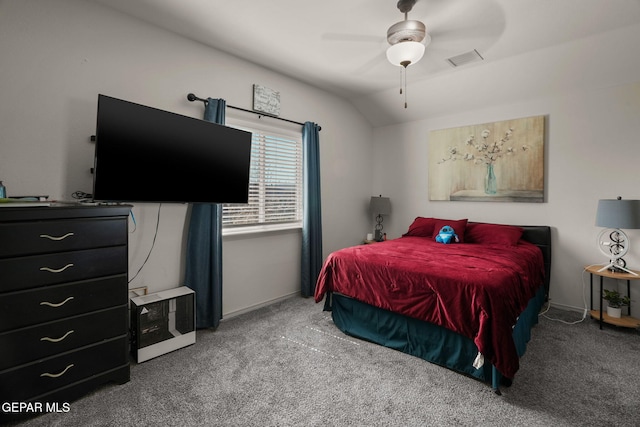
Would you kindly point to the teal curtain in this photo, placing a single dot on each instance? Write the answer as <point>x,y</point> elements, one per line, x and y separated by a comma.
<point>312,212</point>
<point>203,270</point>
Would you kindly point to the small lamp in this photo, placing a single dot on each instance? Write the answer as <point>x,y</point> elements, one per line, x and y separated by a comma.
<point>612,241</point>
<point>379,206</point>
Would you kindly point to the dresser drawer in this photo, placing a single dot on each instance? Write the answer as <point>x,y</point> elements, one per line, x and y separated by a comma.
<point>33,306</point>
<point>42,376</point>
<point>39,237</point>
<point>36,342</point>
<point>39,270</point>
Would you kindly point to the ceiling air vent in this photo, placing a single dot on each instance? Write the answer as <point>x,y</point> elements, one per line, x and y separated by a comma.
<point>465,58</point>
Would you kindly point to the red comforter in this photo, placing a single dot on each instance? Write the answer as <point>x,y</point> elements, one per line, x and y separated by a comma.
<point>475,290</point>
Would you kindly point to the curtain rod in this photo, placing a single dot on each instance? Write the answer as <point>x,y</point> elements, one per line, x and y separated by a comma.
<point>191,97</point>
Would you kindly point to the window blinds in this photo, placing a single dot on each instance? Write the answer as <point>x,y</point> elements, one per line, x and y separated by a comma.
<point>275,187</point>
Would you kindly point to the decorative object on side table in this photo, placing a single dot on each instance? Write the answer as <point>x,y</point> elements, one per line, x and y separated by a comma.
<point>379,206</point>
<point>612,241</point>
<point>369,239</point>
<point>615,302</point>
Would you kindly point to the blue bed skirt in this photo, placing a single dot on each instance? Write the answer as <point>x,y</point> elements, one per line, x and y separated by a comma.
<point>426,340</point>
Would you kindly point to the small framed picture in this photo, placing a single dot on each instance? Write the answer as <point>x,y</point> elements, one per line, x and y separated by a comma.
<point>266,100</point>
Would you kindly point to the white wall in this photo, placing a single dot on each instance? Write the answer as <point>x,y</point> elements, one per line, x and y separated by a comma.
<point>592,152</point>
<point>58,55</point>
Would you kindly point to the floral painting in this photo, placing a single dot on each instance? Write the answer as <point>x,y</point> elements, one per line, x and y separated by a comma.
<point>497,162</point>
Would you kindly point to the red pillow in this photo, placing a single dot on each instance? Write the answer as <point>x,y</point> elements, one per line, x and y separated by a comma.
<point>493,234</point>
<point>421,227</point>
<point>458,226</point>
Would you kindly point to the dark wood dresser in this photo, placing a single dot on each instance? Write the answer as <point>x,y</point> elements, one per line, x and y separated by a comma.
<point>63,301</point>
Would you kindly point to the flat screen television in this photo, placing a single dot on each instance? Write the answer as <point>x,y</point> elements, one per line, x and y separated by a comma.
<point>144,154</point>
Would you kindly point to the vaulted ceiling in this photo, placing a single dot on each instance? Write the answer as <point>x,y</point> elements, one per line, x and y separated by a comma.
<point>339,45</point>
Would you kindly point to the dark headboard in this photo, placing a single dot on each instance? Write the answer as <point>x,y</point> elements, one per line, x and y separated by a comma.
<point>540,235</point>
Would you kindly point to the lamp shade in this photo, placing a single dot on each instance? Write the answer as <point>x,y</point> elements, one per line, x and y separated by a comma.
<point>405,53</point>
<point>380,205</point>
<point>618,213</point>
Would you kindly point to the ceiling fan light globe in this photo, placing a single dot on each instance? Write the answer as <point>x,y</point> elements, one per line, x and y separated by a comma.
<point>407,52</point>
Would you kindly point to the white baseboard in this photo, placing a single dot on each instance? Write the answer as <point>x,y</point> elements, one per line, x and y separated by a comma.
<point>282,298</point>
<point>566,307</point>
<point>259,305</point>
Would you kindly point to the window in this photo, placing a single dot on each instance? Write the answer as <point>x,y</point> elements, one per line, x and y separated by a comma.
<point>275,181</point>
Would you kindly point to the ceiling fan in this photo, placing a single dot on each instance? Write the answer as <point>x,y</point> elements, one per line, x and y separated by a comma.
<point>408,40</point>
<point>458,31</point>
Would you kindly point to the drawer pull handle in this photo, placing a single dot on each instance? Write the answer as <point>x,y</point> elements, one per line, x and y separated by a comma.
<point>56,339</point>
<point>51,304</point>
<point>46,236</point>
<point>46,374</point>
<point>59,270</point>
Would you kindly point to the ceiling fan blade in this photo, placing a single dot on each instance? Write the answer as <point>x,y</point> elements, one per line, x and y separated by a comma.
<point>465,34</point>
<point>380,58</point>
<point>432,63</point>
<point>431,7</point>
<point>359,38</point>
<point>462,19</point>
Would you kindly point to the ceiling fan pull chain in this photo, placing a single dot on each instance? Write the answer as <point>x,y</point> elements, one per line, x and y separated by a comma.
<point>405,87</point>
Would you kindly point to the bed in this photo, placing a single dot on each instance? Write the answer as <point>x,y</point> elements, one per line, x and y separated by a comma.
<point>468,305</point>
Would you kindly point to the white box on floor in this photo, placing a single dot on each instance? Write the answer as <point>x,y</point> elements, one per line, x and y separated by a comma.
<point>162,322</point>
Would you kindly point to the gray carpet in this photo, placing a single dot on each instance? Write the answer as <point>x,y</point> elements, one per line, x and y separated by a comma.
<point>288,365</point>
